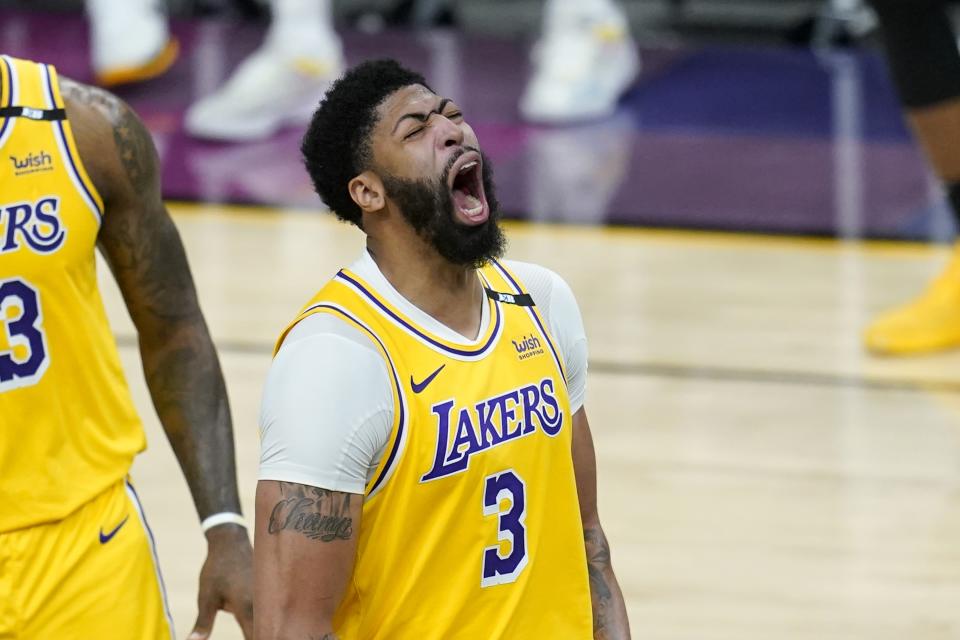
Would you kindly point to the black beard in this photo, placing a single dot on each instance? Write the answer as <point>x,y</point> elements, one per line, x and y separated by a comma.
<point>428,206</point>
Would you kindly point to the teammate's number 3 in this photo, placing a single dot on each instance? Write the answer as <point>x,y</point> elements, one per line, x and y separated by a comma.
<point>23,349</point>
<point>497,567</point>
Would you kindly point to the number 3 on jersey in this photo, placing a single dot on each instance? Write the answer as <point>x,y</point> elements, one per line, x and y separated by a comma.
<point>23,348</point>
<point>497,568</point>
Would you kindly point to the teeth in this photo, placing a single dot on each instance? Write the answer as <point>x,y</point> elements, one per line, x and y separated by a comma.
<point>468,166</point>
<point>473,206</point>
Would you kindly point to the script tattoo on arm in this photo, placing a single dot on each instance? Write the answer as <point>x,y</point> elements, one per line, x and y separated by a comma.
<point>316,513</point>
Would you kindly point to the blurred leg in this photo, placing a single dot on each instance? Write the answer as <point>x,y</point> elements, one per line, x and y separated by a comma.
<point>130,40</point>
<point>280,83</point>
<point>584,62</point>
<point>925,64</point>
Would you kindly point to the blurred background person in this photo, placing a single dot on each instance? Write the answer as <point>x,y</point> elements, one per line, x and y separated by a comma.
<point>924,60</point>
<point>130,40</point>
<point>278,84</point>
<point>583,63</point>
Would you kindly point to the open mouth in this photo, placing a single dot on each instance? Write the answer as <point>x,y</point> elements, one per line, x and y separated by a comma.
<point>466,187</point>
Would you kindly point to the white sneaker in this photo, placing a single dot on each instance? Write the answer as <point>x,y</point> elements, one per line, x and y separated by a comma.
<point>269,90</point>
<point>580,72</point>
<point>130,40</point>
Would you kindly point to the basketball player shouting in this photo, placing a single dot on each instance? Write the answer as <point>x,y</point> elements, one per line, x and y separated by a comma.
<point>427,470</point>
<point>76,557</point>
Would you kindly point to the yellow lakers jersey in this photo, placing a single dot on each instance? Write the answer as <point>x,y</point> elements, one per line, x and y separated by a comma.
<point>68,428</point>
<point>471,525</point>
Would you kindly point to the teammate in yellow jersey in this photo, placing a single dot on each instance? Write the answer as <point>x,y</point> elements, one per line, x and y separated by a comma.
<point>76,556</point>
<point>427,470</point>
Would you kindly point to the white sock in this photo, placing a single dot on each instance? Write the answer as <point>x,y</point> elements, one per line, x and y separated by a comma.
<point>565,12</point>
<point>302,27</point>
<point>289,13</point>
<point>111,9</point>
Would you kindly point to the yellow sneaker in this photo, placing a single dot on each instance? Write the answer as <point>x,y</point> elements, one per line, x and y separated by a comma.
<point>929,323</point>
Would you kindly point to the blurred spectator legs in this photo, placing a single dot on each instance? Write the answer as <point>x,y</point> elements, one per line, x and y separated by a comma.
<point>130,40</point>
<point>281,83</point>
<point>584,61</point>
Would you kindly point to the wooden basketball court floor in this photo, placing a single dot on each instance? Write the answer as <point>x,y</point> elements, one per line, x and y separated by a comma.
<point>760,476</point>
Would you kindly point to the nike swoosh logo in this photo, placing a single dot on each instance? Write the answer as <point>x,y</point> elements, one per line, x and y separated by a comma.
<point>420,386</point>
<point>105,537</point>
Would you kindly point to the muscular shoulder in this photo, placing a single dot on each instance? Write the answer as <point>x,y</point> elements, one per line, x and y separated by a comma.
<point>324,362</point>
<point>327,408</point>
<point>323,327</point>
<point>115,147</point>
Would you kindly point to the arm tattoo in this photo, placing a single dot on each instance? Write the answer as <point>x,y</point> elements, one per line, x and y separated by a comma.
<point>598,560</point>
<point>326,636</point>
<point>139,239</point>
<point>136,149</point>
<point>144,251</point>
<point>318,514</point>
<point>133,141</point>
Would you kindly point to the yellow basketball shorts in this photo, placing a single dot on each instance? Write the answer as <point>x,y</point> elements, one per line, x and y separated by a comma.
<point>93,574</point>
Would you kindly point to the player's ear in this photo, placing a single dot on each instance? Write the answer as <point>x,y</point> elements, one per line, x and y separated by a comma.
<point>367,191</point>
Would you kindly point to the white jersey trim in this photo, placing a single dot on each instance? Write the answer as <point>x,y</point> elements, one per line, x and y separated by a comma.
<point>65,156</point>
<point>459,348</point>
<point>141,514</point>
<point>10,123</point>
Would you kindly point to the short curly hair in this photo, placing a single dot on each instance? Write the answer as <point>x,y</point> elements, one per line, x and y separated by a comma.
<point>336,147</point>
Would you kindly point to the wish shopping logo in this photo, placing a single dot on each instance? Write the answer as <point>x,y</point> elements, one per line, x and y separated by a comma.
<point>527,347</point>
<point>32,163</point>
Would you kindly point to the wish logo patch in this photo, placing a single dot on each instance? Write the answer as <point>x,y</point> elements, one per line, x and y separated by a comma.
<point>528,347</point>
<point>32,163</point>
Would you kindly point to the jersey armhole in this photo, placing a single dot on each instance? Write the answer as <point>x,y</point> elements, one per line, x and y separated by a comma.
<point>517,285</point>
<point>63,130</point>
<point>8,89</point>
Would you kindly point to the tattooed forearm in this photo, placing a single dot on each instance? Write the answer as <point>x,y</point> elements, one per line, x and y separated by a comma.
<point>598,559</point>
<point>316,513</point>
<point>142,246</point>
<point>326,636</point>
<point>188,392</point>
<point>145,253</point>
<point>609,611</point>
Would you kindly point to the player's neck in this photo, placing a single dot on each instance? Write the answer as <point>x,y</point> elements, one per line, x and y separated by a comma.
<point>450,294</point>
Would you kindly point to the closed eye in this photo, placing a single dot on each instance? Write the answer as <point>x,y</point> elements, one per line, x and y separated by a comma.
<point>453,115</point>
